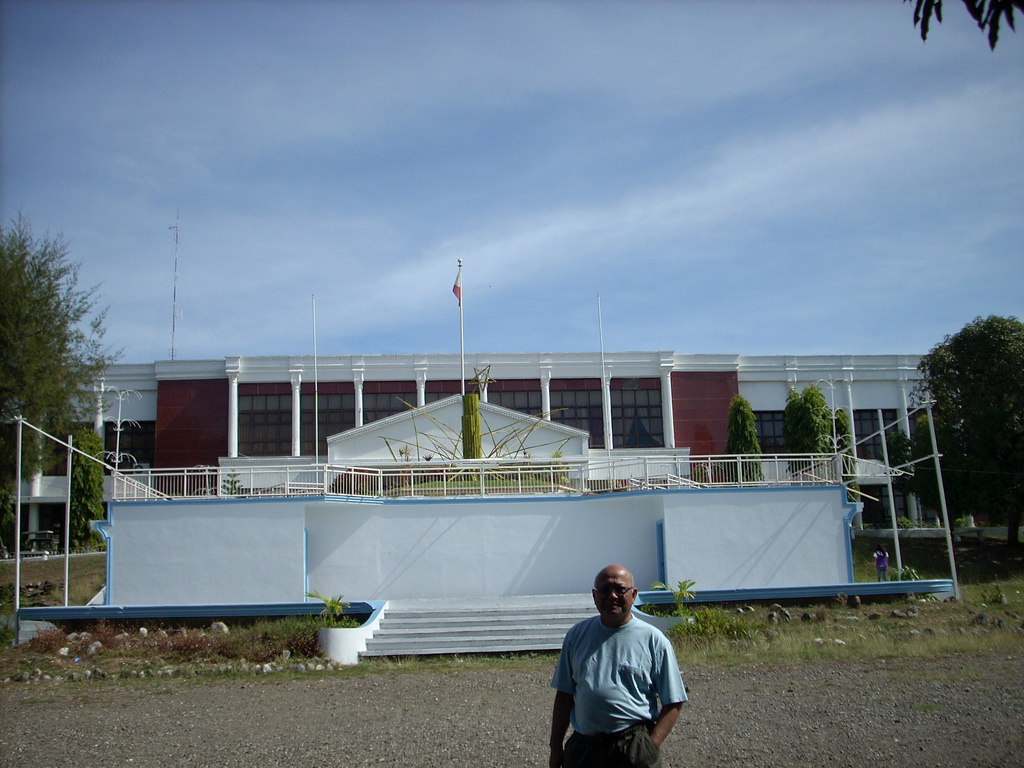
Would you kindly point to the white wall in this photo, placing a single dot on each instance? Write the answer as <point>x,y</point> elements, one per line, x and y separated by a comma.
<point>204,552</point>
<point>774,537</point>
<point>226,551</point>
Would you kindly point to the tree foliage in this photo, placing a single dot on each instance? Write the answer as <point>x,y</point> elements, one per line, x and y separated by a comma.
<point>987,14</point>
<point>742,440</point>
<point>976,380</point>
<point>51,348</point>
<point>807,426</point>
<point>86,488</point>
<point>47,357</point>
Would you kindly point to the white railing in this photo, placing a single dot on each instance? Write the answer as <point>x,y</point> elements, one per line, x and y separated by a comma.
<point>485,477</point>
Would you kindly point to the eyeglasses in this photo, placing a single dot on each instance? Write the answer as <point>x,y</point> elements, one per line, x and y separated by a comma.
<point>608,591</point>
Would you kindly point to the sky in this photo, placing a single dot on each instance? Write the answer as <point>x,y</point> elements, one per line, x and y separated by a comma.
<point>755,178</point>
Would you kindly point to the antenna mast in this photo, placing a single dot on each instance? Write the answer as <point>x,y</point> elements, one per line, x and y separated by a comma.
<point>174,303</point>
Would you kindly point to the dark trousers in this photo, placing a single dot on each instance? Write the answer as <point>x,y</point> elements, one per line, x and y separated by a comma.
<point>630,748</point>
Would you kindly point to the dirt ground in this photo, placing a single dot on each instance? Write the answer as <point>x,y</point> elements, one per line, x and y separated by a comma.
<point>951,711</point>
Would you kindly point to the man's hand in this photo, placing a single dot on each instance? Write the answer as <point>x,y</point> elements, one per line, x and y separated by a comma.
<point>666,719</point>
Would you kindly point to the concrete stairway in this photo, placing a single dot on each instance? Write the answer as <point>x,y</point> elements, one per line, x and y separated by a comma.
<point>477,625</point>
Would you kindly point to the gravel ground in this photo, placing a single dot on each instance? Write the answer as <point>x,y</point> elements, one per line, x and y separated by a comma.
<point>953,711</point>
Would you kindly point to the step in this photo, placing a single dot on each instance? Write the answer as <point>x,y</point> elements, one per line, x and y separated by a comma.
<point>477,625</point>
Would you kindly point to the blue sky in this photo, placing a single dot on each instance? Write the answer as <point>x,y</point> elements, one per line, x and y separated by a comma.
<point>731,177</point>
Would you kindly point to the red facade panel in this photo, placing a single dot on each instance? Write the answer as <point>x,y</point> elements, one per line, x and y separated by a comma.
<point>191,422</point>
<point>700,409</point>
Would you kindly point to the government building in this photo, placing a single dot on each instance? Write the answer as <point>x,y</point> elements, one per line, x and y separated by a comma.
<point>187,413</point>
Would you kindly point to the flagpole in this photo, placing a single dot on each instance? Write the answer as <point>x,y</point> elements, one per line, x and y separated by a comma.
<point>316,392</point>
<point>462,329</point>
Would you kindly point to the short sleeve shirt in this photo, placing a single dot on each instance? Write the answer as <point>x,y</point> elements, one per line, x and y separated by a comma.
<point>616,675</point>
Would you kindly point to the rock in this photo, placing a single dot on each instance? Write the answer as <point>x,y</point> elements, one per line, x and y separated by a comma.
<point>218,628</point>
<point>874,616</point>
<point>773,618</point>
<point>898,614</point>
<point>981,619</point>
<point>143,631</point>
<point>286,654</point>
<point>854,601</point>
<point>65,651</point>
<point>73,637</point>
<point>912,611</point>
<point>842,598</point>
<point>94,648</point>
<point>805,616</point>
<point>786,615</point>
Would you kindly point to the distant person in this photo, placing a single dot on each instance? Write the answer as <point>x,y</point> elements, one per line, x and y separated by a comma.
<point>881,564</point>
<point>610,676</point>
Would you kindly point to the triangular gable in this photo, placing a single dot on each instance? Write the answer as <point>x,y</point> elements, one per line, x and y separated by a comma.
<point>418,429</point>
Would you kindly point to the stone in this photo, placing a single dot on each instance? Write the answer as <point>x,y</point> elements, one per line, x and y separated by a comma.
<point>786,615</point>
<point>218,628</point>
<point>773,618</point>
<point>94,648</point>
<point>805,616</point>
<point>912,611</point>
<point>981,619</point>
<point>874,616</point>
<point>143,631</point>
<point>898,614</point>
<point>854,601</point>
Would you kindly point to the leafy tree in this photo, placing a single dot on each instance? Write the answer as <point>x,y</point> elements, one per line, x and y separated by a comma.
<point>986,13</point>
<point>86,488</point>
<point>742,440</point>
<point>807,426</point>
<point>900,450</point>
<point>976,379</point>
<point>47,357</point>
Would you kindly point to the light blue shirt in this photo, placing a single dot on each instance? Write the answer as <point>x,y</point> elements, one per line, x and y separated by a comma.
<point>616,675</point>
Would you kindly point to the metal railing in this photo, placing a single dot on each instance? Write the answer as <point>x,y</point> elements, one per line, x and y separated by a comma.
<point>484,477</point>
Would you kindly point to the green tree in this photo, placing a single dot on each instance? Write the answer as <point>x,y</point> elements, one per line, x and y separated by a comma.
<point>976,380</point>
<point>987,14</point>
<point>742,440</point>
<point>86,488</point>
<point>900,449</point>
<point>50,350</point>
<point>807,425</point>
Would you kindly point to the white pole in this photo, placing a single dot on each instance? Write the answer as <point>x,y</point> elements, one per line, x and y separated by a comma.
<point>462,331</point>
<point>316,392</point>
<point>17,526</point>
<point>606,406</point>
<point>67,521</point>
<point>892,500</point>
<point>942,503</point>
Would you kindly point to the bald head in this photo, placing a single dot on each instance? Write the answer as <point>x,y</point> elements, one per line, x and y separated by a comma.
<point>616,573</point>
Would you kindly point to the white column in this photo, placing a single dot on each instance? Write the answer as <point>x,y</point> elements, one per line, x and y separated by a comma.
<point>233,413</point>
<point>545,392</point>
<point>606,410</point>
<point>296,412</point>
<point>358,381</point>
<point>668,422</point>
<point>848,385</point>
<point>97,422</point>
<point>421,387</point>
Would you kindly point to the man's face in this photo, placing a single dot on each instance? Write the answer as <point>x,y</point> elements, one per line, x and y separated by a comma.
<point>614,595</point>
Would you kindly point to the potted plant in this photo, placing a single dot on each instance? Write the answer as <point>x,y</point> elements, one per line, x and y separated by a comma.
<point>341,637</point>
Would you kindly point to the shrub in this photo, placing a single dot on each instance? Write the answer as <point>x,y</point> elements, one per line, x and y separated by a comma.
<point>714,623</point>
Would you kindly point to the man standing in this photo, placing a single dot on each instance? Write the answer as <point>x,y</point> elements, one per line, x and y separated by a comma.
<point>608,681</point>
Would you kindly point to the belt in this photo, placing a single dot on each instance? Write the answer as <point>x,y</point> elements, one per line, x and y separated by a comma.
<point>625,733</point>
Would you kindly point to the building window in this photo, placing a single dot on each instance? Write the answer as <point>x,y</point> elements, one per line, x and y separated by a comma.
<point>380,405</point>
<point>636,417</point>
<point>265,425</point>
<point>865,425</point>
<point>337,414</point>
<point>769,426</point>
<point>137,444</point>
<point>528,402</point>
<point>580,408</point>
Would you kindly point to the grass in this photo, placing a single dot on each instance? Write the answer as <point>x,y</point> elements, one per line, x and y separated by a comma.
<point>87,576</point>
<point>992,581</point>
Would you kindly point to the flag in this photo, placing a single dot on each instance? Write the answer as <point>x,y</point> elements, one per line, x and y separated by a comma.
<point>457,288</point>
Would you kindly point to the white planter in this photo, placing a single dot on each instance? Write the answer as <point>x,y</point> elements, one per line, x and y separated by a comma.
<point>344,644</point>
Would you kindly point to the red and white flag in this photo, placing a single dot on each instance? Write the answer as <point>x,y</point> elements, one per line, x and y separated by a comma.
<point>457,288</point>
